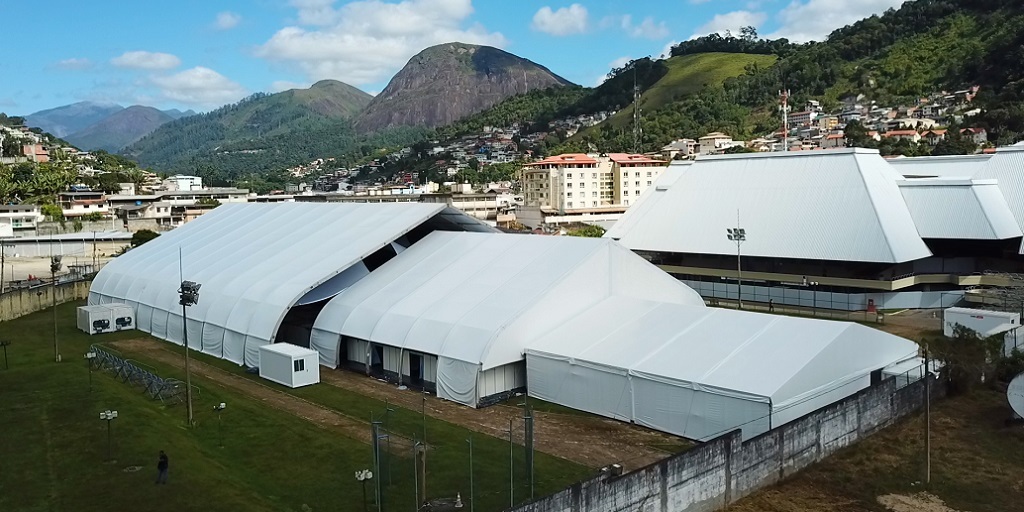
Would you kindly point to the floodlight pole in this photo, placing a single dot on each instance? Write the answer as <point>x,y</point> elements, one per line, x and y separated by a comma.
<point>472,500</point>
<point>54,268</point>
<point>927,419</point>
<point>511,469</point>
<point>188,370</point>
<point>738,235</point>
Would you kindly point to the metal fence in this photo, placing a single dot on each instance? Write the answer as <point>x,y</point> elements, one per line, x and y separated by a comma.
<point>138,375</point>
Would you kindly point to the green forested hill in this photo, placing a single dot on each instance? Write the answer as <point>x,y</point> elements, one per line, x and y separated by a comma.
<point>261,132</point>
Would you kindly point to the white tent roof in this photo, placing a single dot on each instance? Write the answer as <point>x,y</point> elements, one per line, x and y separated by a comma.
<point>481,299</point>
<point>946,166</point>
<point>1007,167</point>
<point>254,261</point>
<point>959,209</point>
<point>840,205</point>
<point>737,353</point>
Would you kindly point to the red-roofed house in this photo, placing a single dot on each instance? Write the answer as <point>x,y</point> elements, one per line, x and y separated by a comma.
<point>934,136</point>
<point>978,135</point>
<point>36,153</point>
<point>835,140</point>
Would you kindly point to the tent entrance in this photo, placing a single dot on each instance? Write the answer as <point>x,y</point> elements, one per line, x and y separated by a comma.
<point>377,361</point>
<point>415,369</point>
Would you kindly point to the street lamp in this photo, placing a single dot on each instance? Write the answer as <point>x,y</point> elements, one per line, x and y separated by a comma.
<point>362,476</point>
<point>90,356</point>
<point>472,502</point>
<point>220,432</point>
<point>54,268</point>
<point>738,235</point>
<point>814,290</point>
<point>108,416</point>
<point>188,296</point>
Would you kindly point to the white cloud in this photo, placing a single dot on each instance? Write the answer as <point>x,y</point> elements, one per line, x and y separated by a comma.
<point>667,50</point>
<point>227,20</point>
<point>562,22</point>
<point>284,85</point>
<point>731,21</point>
<point>813,20</point>
<point>619,62</point>
<point>367,40</point>
<point>146,60</point>
<point>647,28</point>
<point>74,64</point>
<point>199,87</point>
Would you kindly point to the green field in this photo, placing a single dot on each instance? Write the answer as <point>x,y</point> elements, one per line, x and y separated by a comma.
<point>53,453</point>
<point>689,74</point>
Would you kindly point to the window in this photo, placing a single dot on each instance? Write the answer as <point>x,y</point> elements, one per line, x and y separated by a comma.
<point>594,184</point>
<point>568,175</point>
<point>626,202</point>
<point>648,183</point>
<point>568,185</point>
<point>625,193</point>
<point>300,365</point>
<point>637,175</point>
<point>648,174</point>
<point>638,183</point>
<point>569,195</point>
<point>593,175</point>
<point>593,194</point>
<point>569,204</point>
<point>594,203</point>
<point>625,184</point>
<point>583,185</point>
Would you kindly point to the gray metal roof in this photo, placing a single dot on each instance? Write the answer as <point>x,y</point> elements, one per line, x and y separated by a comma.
<point>840,205</point>
<point>959,209</point>
<point>951,166</point>
<point>1007,167</point>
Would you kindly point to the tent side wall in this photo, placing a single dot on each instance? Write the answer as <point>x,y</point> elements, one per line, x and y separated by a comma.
<point>797,407</point>
<point>695,412</point>
<point>591,388</point>
<point>457,380</point>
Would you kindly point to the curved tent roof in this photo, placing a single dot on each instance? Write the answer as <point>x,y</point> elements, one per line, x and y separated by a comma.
<point>840,205</point>
<point>480,299</point>
<point>791,364</point>
<point>254,262</point>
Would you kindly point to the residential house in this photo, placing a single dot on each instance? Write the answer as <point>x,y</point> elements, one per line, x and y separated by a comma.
<point>716,142</point>
<point>680,148</point>
<point>898,135</point>
<point>36,153</point>
<point>978,135</point>
<point>21,217</point>
<point>78,204</point>
<point>833,141</point>
<point>933,137</point>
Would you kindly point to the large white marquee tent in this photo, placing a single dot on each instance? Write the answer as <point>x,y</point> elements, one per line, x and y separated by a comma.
<point>457,310</point>
<point>255,262</point>
<point>701,372</point>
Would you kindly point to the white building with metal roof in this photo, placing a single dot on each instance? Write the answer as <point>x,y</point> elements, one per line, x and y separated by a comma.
<point>837,205</point>
<point>456,310</point>
<point>263,268</point>
<point>959,209</point>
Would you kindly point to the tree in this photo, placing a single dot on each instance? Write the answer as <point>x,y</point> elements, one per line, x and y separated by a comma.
<point>208,201</point>
<point>966,357</point>
<point>142,236</point>
<point>587,231</point>
<point>739,149</point>
<point>52,212</point>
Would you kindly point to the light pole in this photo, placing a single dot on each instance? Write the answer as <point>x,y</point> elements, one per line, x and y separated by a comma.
<point>362,476</point>
<point>4,344</point>
<point>814,299</point>
<point>472,501</point>
<point>511,469</point>
<point>189,296</point>
<point>108,416</point>
<point>89,357</point>
<point>220,431</point>
<point>738,235</point>
<point>54,268</point>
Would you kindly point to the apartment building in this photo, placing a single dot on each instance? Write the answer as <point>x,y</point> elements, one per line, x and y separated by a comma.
<point>588,185</point>
<point>77,204</point>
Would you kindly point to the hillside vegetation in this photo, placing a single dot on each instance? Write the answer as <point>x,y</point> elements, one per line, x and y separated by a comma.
<point>281,129</point>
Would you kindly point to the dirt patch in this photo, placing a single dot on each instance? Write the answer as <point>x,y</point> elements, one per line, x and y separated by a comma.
<point>920,502</point>
<point>588,440</point>
<point>321,416</point>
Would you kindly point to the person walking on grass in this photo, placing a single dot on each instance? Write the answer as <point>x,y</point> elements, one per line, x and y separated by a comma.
<point>161,467</point>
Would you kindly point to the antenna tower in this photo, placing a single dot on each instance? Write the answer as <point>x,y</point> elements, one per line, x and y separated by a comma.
<point>784,108</point>
<point>637,131</point>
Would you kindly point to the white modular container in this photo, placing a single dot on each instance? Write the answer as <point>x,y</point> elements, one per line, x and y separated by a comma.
<point>986,323</point>
<point>95,319</point>
<point>289,365</point>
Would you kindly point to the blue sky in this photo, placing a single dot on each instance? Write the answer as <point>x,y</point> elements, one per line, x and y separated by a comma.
<point>202,54</point>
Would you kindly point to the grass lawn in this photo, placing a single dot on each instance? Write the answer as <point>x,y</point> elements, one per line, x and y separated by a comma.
<point>977,463</point>
<point>54,446</point>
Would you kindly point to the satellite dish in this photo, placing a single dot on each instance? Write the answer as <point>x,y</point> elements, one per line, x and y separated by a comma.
<point>1015,395</point>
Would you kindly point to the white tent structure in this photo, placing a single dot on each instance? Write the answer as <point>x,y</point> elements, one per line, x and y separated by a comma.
<point>840,205</point>
<point>957,208</point>
<point>456,311</point>
<point>255,262</point>
<point>701,372</point>
<point>1007,168</point>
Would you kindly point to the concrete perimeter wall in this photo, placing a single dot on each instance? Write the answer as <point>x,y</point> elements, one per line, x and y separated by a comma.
<point>726,469</point>
<point>20,302</point>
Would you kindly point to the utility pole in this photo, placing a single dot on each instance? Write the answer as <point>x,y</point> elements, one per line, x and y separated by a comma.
<point>54,268</point>
<point>511,469</point>
<point>637,130</point>
<point>784,108</point>
<point>927,419</point>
